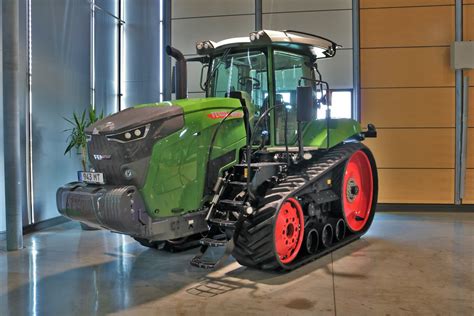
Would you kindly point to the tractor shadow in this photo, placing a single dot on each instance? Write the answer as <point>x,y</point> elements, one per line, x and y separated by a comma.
<point>248,278</point>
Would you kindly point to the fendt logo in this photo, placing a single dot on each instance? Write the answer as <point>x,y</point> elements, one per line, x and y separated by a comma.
<point>102,157</point>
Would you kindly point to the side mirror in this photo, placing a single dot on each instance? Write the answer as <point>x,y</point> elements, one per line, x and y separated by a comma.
<point>201,82</point>
<point>304,104</point>
<point>173,79</point>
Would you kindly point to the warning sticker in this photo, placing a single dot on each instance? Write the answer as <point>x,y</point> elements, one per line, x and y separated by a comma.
<point>221,115</point>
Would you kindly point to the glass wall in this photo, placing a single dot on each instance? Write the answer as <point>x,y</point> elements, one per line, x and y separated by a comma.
<point>74,52</point>
<point>2,175</point>
<point>60,85</point>
<point>105,59</point>
<point>141,59</point>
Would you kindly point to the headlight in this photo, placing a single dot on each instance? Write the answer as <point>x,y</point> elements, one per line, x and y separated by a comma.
<point>130,135</point>
<point>204,48</point>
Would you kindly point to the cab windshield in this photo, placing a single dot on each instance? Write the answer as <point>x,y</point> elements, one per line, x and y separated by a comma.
<point>243,71</point>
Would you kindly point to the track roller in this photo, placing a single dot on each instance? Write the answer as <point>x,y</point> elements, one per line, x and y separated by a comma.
<point>326,233</point>
<point>339,228</point>
<point>311,241</point>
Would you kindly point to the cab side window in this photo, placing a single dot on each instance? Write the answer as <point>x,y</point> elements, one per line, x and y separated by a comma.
<point>289,69</point>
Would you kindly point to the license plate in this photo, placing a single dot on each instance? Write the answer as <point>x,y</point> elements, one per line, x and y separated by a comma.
<point>91,177</point>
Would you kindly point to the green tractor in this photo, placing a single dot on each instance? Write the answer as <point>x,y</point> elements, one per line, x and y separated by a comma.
<point>250,168</point>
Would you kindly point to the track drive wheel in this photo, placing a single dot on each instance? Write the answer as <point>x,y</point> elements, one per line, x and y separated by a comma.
<point>273,237</point>
<point>289,230</point>
<point>357,192</point>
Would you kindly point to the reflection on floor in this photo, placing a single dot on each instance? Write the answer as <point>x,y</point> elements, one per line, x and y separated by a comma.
<point>407,264</point>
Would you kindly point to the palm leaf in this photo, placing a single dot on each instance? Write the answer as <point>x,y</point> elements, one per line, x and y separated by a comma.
<point>77,138</point>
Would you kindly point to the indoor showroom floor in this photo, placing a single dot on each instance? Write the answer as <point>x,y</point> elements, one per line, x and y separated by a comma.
<point>408,263</point>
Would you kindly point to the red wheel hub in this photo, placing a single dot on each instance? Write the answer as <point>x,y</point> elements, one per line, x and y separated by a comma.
<point>289,230</point>
<point>357,191</point>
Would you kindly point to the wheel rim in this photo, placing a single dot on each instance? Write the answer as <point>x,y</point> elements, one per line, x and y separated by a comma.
<point>357,191</point>
<point>289,230</point>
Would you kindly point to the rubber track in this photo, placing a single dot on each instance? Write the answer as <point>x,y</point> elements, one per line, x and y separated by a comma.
<point>254,246</point>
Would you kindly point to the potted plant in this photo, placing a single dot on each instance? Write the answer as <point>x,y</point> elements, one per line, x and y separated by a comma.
<point>77,133</point>
<point>77,139</point>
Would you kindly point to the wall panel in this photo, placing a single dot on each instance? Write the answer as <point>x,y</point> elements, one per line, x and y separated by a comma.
<point>416,186</point>
<point>471,105</point>
<point>141,73</point>
<point>304,5</point>
<point>469,187</point>
<point>407,148</point>
<point>194,76</point>
<point>337,71</point>
<point>331,19</point>
<point>197,8</point>
<point>423,26</point>
<point>106,60</point>
<point>406,67</point>
<point>470,74</point>
<point>335,25</point>
<point>408,93</point>
<point>468,35</point>
<point>196,95</point>
<point>60,85</point>
<point>186,32</point>
<point>470,148</point>
<point>195,21</point>
<point>468,21</point>
<point>191,23</point>
<point>427,107</point>
<point>402,3</point>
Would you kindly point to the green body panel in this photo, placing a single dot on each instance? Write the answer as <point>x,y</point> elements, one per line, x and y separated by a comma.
<point>177,171</point>
<point>315,132</point>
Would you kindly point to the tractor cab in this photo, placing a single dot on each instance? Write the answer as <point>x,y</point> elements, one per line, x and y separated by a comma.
<point>266,70</point>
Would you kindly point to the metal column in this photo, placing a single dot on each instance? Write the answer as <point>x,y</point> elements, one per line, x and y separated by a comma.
<point>459,101</point>
<point>15,186</point>
<point>166,41</point>
<point>120,25</point>
<point>356,60</point>
<point>258,15</point>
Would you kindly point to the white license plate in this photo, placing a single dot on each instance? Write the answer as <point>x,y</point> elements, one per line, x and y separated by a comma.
<point>91,177</point>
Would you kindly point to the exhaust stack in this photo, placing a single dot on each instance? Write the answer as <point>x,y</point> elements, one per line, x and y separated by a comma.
<point>181,80</point>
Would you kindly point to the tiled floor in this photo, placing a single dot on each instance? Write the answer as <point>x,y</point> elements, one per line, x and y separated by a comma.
<point>408,264</point>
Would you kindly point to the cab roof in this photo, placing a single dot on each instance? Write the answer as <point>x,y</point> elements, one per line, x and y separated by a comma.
<point>310,44</point>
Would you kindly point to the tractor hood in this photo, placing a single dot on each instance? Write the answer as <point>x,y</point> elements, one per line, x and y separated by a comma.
<point>120,145</point>
<point>198,104</point>
<point>135,117</point>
